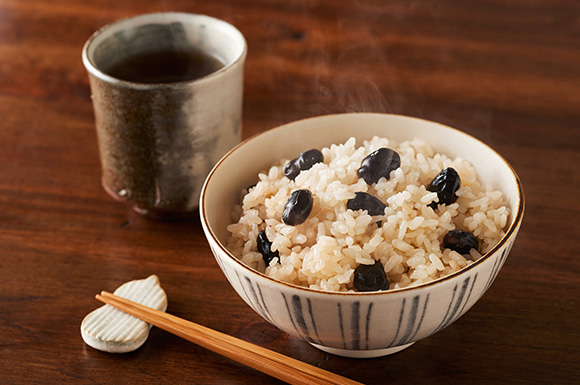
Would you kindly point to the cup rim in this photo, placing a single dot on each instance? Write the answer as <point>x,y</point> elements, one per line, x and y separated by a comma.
<point>94,70</point>
<point>510,232</point>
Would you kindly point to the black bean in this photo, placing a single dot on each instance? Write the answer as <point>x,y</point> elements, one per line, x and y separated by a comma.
<point>445,184</point>
<point>265,248</point>
<point>291,170</point>
<point>379,164</point>
<point>364,201</point>
<point>370,277</point>
<point>298,207</point>
<point>461,241</point>
<point>309,158</point>
<point>305,161</point>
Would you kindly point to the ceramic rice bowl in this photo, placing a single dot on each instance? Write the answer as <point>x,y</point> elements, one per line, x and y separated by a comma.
<point>356,324</point>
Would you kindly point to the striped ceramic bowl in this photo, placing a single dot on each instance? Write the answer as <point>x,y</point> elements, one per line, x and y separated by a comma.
<point>355,324</point>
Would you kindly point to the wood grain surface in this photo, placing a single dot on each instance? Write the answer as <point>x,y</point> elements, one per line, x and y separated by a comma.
<point>504,71</point>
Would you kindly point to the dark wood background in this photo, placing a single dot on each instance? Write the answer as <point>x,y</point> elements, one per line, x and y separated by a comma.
<point>504,71</point>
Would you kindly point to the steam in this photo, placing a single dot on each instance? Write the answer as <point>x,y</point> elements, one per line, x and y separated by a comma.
<point>346,80</point>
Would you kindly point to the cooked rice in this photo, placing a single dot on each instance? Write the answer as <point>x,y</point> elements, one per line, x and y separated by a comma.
<point>323,252</point>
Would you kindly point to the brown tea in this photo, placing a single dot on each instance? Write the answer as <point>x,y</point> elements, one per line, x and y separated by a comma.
<point>168,66</point>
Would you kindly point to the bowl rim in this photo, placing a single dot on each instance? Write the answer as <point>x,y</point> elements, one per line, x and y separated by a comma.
<point>518,216</point>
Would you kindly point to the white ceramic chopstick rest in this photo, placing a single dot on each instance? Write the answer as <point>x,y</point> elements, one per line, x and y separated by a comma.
<point>111,330</point>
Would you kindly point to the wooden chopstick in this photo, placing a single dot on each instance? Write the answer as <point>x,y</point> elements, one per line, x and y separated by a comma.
<point>266,361</point>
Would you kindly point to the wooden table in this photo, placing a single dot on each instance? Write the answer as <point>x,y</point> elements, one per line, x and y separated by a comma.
<point>506,72</point>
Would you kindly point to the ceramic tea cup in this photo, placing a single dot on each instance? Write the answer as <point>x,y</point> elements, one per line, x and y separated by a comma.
<point>167,98</point>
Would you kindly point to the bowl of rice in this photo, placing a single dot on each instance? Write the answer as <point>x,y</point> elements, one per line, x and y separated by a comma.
<point>361,233</point>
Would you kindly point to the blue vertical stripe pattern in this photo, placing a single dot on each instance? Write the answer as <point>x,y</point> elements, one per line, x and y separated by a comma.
<point>410,321</point>
<point>412,337</point>
<point>259,301</point>
<point>358,320</point>
<point>312,320</point>
<point>355,325</point>
<point>368,323</point>
<point>399,323</point>
<point>466,299</point>
<point>341,324</point>
<point>290,313</point>
<point>247,296</point>
<point>496,267</point>
<point>454,307</point>
<point>222,267</point>
<point>299,314</point>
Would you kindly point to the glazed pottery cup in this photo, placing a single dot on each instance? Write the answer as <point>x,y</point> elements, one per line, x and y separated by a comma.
<point>356,324</point>
<point>158,141</point>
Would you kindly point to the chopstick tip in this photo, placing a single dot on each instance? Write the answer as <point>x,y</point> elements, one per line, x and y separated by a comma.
<point>101,296</point>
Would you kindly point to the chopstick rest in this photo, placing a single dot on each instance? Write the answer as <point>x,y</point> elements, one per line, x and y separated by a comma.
<point>114,331</point>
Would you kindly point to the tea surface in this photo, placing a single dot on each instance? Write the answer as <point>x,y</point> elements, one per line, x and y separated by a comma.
<point>168,66</point>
